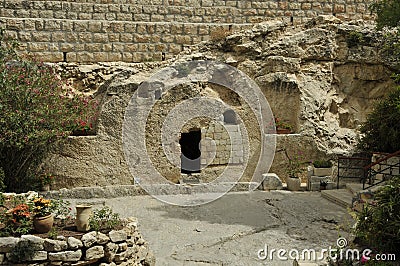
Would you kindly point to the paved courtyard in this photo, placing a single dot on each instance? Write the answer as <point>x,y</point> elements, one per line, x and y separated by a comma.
<point>233,229</point>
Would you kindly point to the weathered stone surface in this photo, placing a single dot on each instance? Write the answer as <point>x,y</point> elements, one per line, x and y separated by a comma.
<point>54,245</point>
<point>65,255</point>
<point>271,182</point>
<point>8,243</point>
<point>39,255</point>
<point>117,235</point>
<point>89,239</point>
<point>95,252</point>
<point>35,240</point>
<point>110,251</point>
<point>101,238</point>
<point>311,74</point>
<point>74,243</point>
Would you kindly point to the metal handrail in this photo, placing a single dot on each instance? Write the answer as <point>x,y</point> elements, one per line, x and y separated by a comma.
<point>362,160</point>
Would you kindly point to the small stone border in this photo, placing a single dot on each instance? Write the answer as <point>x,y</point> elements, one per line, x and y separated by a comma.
<point>135,190</point>
<point>124,247</point>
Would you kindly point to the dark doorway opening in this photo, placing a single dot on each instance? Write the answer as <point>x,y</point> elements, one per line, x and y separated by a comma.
<point>190,152</point>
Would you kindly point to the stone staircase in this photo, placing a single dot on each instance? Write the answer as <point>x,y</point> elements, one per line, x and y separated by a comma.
<point>352,196</point>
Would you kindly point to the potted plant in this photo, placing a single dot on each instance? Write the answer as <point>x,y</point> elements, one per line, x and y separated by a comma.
<point>43,218</point>
<point>282,127</point>
<point>293,169</point>
<point>45,181</point>
<point>322,168</point>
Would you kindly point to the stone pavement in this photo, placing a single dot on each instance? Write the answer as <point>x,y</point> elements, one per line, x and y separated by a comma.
<point>232,229</point>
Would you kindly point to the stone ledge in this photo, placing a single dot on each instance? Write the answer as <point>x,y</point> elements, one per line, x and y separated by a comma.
<point>136,190</point>
<point>125,246</point>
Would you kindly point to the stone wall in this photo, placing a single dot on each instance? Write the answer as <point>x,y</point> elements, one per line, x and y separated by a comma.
<point>118,247</point>
<point>140,30</point>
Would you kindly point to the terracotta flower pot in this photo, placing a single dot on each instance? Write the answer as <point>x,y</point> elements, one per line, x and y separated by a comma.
<point>83,213</point>
<point>43,224</point>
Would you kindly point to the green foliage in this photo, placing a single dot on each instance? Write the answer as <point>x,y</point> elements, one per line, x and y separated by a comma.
<point>381,131</point>
<point>388,13</point>
<point>23,251</point>
<point>378,226</point>
<point>53,233</point>
<point>322,164</point>
<point>355,38</point>
<point>104,219</point>
<point>296,163</point>
<point>61,211</point>
<point>37,108</point>
<point>2,176</point>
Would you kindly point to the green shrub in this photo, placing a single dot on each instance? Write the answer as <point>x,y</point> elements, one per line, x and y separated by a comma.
<point>23,251</point>
<point>388,13</point>
<point>355,38</point>
<point>378,226</point>
<point>322,164</point>
<point>104,219</point>
<point>381,131</point>
<point>37,108</point>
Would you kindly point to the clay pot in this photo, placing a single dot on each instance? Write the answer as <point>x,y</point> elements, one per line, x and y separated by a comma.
<point>283,131</point>
<point>43,224</point>
<point>83,213</point>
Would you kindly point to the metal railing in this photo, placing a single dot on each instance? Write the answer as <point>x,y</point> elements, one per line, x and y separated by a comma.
<point>383,167</point>
<point>352,167</point>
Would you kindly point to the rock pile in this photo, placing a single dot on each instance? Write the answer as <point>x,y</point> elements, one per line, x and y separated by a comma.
<point>125,247</point>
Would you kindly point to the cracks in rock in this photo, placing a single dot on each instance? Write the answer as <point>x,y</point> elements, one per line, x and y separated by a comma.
<point>243,234</point>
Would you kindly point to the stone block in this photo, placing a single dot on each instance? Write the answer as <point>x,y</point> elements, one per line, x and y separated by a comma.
<point>65,255</point>
<point>54,245</point>
<point>271,181</point>
<point>8,243</point>
<point>89,239</point>
<point>118,235</point>
<point>39,255</point>
<point>95,252</point>
<point>74,243</point>
<point>35,240</point>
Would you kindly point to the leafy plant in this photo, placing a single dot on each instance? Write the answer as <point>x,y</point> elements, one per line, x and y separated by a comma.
<point>23,251</point>
<point>17,220</point>
<point>322,164</point>
<point>42,207</point>
<point>296,163</point>
<point>378,226</point>
<point>388,13</point>
<point>104,219</point>
<point>2,176</point>
<point>280,124</point>
<point>381,131</point>
<point>37,108</point>
<point>53,233</point>
<point>61,210</point>
<point>355,38</point>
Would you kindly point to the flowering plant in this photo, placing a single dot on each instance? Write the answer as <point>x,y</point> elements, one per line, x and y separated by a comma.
<point>46,179</point>
<point>42,207</point>
<point>19,213</point>
<point>279,124</point>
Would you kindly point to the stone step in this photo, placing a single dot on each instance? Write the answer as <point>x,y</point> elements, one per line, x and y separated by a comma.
<point>342,197</point>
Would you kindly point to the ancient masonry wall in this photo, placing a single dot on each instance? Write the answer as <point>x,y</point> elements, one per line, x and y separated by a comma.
<point>146,30</point>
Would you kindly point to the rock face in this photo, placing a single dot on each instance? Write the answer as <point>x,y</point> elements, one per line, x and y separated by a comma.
<point>321,77</point>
